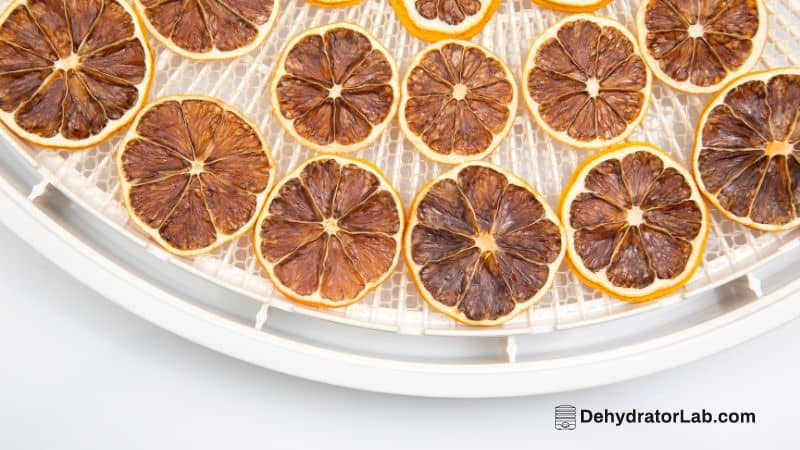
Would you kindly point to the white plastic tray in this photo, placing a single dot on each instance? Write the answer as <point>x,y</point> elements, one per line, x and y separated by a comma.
<point>85,182</point>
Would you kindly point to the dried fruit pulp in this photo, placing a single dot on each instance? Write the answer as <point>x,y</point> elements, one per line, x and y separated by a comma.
<point>433,20</point>
<point>747,150</point>
<point>636,224</point>
<point>335,88</point>
<point>71,74</point>
<point>586,83</point>
<point>458,102</point>
<point>573,6</point>
<point>481,245</point>
<point>209,29</point>
<point>194,173</point>
<point>330,231</point>
<point>698,45</point>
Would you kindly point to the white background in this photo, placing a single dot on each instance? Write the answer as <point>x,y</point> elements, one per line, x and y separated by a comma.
<point>78,372</point>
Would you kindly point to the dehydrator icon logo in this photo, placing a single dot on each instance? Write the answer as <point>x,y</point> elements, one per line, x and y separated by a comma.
<point>566,417</point>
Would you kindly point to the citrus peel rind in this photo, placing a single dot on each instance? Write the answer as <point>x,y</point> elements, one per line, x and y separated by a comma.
<point>458,102</point>
<point>481,245</point>
<point>585,82</point>
<point>330,231</point>
<point>65,92</point>
<point>746,158</point>
<point>194,173</point>
<point>335,88</point>
<point>636,224</point>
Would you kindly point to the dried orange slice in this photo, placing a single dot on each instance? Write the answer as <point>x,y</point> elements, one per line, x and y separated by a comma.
<point>193,173</point>
<point>586,83</point>
<point>330,231</point>
<point>747,150</point>
<point>482,245</point>
<point>335,88</point>
<point>697,46</point>
<point>572,5</point>
<point>433,20</point>
<point>71,74</point>
<point>636,223</point>
<point>209,29</point>
<point>458,102</point>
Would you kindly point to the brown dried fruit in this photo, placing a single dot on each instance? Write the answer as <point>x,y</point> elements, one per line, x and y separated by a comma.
<point>335,88</point>
<point>330,232</point>
<point>748,149</point>
<point>635,221</point>
<point>71,74</point>
<point>482,246</point>
<point>194,173</point>
<point>586,83</point>
<point>209,29</point>
<point>699,45</point>
<point>458,102</point>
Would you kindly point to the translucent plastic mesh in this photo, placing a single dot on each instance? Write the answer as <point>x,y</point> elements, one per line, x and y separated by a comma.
<point>90,176</point>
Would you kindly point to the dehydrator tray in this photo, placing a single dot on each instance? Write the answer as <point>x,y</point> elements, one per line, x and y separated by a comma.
<point>73,200</point>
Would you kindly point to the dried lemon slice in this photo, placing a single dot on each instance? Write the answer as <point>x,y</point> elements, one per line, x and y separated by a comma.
<point>747,150</point>
<point>458,102</point>
<point>572,5</point>
<point>697,46</point>
<point>482,245</point>
<point>209,29</point>
<point>334,88</point>
<point>586,83</point>
<point>194,173</point>
<point>636,223</point>
<point>432,20</point>
<point>71,74</point>
<point>330,231</point>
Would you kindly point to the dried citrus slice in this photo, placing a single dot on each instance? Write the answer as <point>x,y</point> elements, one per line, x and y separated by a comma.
<point>458,102</point>
<point>481,244</point>
<point>697,46</point>
<point>586,83</point>
<point>572,5</point>
<point>194,173</point>
<point>747,150</point>
<point>330,231</point>
<point>74,73</point>
<point>209,29</point>
<point>432,20</point>
<point>636,223</point>
<point>335,88</point>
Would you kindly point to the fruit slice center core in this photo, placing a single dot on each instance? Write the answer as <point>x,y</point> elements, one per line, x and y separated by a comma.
<point>336,91</point>
<point>197,168</point>
<point>69,63</point>
<point>485,243</point>
<point>330,225</point>
<point>696,30</point>
<point>778,148</point>
<point>593,87</point>
<point>459,91</point>
<point>635,216</point>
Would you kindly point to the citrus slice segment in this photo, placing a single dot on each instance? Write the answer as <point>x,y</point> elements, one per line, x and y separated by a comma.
<point>585,82</point>
<point>747,150</point>
<point>330,232</point>
<point>335,88</point>
<point>209,29</point>
<point>71,75</point>
<point>697,46</point>
<point>573,6</point>
<point>481,245</point>
<point>458,102</point>
<point>636,223</point>
<point>433,20</point>
<point>193,173</point>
